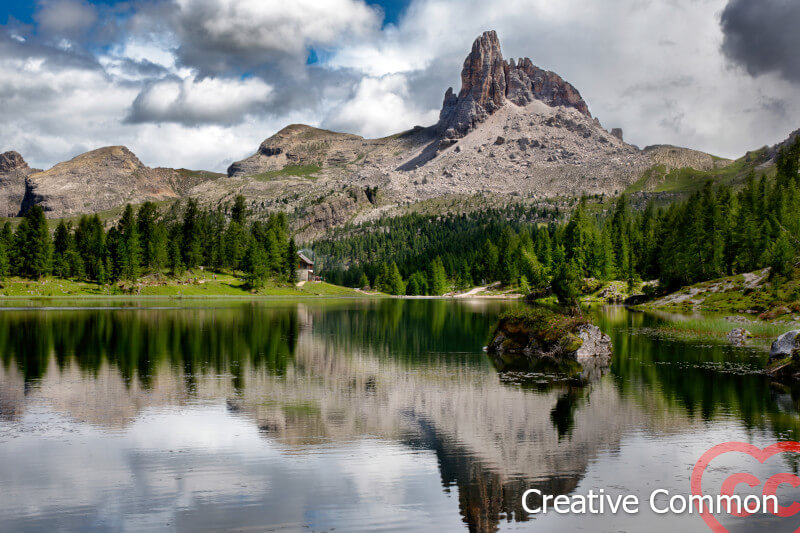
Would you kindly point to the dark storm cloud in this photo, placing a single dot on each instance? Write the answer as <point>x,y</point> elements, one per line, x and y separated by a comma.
<point>763,36</point>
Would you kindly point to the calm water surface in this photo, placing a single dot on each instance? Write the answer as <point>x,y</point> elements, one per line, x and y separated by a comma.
<point>354,416</point>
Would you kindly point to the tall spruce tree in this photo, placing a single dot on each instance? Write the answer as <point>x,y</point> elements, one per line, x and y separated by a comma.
<point>191,235</point>
<point>146,219</point>
<point>129,250</point>
<point>34,248</point>
<point>437,278</point>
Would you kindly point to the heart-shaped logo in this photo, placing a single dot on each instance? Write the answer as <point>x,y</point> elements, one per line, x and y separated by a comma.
<point>730,483</point>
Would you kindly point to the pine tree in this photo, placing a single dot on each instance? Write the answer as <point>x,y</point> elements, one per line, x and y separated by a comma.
<point>363,281</point>
<point>382,279</point>
<point>565,284</point>
<point>239,211</point>
<point>488,260</point>
<point>114,255</point>
<point>437,278</point>
<point>214,242</point>
<point>544,249</point>
<point>607,267</point>
<point>32,241</point>
<point>235,243</point>
<point>781,256</point>
<point>176,257</point>
<point>61,249</point>
<point>4,260</point>
<point>159,249</point>
<point>524,287</point>
<point>255,264</point>
<point>90,240</point>
<point>275,254</point>
<point>290,262</point>
<point>191,235</point>
<point>129,251</point>
<point>146,227</point>
<point>395,281</point>
<point>464,275</point>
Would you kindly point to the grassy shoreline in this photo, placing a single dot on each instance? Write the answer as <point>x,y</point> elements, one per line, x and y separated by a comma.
<point>203,285</point>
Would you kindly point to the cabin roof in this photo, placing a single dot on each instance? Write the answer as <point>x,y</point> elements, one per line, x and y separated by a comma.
<point>304,258</point>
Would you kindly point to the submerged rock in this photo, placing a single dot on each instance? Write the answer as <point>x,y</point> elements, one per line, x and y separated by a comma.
<point>738,336</point>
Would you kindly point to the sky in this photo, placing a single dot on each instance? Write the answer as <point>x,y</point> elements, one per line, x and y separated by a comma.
<point>200,83</point>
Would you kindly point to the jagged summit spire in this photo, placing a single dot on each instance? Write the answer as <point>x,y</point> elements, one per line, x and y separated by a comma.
<point>488,82</point>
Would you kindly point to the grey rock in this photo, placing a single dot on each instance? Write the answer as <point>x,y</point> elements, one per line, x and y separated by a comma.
<point>738,336</point>
<point>596,344</point>
<point>786,345</point>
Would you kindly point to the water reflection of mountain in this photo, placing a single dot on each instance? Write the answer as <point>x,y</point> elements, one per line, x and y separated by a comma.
<point>325,373</point>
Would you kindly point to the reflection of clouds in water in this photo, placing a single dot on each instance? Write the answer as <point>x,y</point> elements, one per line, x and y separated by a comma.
<point>204,468</point>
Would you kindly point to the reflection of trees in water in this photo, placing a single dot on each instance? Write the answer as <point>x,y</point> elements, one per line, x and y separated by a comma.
<point>410,330</point>
<point>704,380</point>
<point>137,342</point>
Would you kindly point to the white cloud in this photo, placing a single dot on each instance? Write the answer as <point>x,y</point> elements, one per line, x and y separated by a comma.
<point>52,114</point>
<point>379,107</point>
<point>192,101</point>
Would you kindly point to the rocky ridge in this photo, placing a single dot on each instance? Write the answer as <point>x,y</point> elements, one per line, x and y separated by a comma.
<point>96,181</point>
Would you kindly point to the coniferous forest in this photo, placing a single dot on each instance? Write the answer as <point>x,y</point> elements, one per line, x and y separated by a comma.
<point>715,232</point>
<point>146,242</point>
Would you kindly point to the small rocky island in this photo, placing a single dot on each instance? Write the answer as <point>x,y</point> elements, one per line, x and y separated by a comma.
<point>784,357</point>
<point>533,337</point>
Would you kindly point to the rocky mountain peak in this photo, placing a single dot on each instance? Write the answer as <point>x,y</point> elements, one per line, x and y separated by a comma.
<point>488,82</point>
<point>11,161</point>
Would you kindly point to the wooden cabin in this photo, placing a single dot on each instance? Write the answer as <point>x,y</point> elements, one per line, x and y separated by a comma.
<point>305,268</point>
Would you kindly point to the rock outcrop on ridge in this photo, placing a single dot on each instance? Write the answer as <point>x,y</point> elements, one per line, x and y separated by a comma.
<point>488,82</point>
<point>13,173</point>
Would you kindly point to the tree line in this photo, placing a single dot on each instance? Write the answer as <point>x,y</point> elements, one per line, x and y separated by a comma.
<point>145,242</point>
<point>716,231</point>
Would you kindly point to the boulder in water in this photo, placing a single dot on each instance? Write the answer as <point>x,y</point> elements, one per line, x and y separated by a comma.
<point>784,357</point>
<point>738,336</point>
<point>787,345</point>
<point>541,333</point>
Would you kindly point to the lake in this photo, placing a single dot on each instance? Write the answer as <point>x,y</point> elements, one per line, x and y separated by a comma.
<point>356,415</point>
